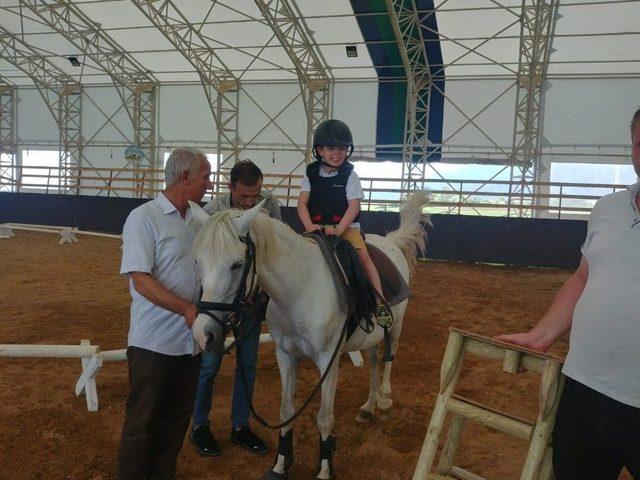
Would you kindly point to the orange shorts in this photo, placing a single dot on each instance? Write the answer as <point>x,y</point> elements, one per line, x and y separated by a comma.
<point>354,237</point>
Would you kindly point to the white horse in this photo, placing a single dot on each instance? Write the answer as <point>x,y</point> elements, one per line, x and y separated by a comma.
<point>303,316</point>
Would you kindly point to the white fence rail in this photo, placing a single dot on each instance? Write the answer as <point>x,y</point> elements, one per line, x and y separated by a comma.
<point>453,196</point>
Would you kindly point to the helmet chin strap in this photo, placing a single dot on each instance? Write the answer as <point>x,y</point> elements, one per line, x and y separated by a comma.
<point>321,160</point>
<point>331,167</point>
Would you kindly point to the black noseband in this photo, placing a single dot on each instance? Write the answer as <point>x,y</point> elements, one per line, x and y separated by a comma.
<point>232,321</point>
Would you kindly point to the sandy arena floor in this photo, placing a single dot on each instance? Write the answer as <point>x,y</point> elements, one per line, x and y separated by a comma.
<point>52,294</point>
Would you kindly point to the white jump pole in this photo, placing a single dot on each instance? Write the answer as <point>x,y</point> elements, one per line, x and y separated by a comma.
<point>30,227</point>
<point>92,360</point>
<point>120,355</point>
<point>48,351</point>
<point>35,229</point>
<point>33,225</point>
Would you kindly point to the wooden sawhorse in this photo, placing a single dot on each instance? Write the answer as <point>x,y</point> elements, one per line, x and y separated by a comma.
<point>537,465</point>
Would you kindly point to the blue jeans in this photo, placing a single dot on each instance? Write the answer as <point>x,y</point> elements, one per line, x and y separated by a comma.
<point>248,350</point>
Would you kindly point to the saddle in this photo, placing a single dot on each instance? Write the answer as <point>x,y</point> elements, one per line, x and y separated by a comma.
<point>354,292</point>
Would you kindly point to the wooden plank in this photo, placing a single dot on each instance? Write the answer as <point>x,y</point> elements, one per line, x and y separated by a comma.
<point>483,415</point>
<point>463,474</point>
<point>507,346</point>
<point>492,410</point>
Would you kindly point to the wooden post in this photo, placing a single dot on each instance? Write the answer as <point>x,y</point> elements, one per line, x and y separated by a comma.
<point>451,445</point>
<point>448,378</point>
<point>546,471</point>
<point>511,362</point>
<point>549,397</point>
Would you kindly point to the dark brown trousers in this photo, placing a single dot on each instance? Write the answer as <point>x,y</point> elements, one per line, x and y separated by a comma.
<point>161,393</point>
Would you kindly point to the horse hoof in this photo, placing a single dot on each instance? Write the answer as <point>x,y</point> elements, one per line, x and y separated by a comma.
<point>384,414</point>
<point>330,476</point>
<point>271,475</point>
<point>384,403</point>
<point>364,416</point>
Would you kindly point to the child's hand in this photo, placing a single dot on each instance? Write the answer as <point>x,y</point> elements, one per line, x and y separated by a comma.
<point>332,231</point>
<point>313,227</point>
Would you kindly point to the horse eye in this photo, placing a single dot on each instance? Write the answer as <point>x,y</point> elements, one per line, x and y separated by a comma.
<point>236,265</point>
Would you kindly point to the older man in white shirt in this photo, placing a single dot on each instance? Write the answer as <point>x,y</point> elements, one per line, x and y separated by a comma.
<point>163,372</point>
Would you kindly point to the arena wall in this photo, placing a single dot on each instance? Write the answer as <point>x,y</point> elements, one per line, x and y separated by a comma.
<point>512,241</point>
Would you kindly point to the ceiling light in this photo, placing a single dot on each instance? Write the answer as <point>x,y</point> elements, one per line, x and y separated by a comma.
<point>74,60</point>
<point>352,51</point>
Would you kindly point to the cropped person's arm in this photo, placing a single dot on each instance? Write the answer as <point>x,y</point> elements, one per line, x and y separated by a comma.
<point>557,320</point>
<point>156,293</point>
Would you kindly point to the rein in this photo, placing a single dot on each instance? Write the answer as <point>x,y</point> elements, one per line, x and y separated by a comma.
<point>311,396</point>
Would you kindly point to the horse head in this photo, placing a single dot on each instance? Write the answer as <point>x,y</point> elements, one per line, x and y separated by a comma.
<point>225,255</point>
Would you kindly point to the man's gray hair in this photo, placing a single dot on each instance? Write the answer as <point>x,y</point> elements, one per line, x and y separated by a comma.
<point>635,121</point>
<point>183,159</point>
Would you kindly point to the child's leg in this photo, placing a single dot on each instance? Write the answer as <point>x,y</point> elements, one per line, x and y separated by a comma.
<point>383,314</point>
<point>355,238</point>
<point>372,273</point>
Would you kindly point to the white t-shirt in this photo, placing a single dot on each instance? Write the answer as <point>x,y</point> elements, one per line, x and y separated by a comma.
<point>353,187</point>
<point>604,352</point>
<point>158,241</point>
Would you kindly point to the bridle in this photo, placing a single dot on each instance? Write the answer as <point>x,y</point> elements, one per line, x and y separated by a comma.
<point>237,309</point>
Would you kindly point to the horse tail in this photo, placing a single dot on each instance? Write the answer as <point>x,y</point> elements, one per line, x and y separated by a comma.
<point>411,235</point>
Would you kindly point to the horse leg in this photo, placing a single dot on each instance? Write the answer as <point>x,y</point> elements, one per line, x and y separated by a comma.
<point>365,414</point>
<point>288,366</point>
<point>325,422</point>
<point>384,400</point>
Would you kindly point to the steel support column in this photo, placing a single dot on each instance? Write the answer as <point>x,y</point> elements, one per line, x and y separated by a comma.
<point>133,83</point>
<point>220,85</point>
<point>62,96</point>
<point>7,137</point>
<point>536,34</point>
<point>314,75</point>
<point>415,148</point>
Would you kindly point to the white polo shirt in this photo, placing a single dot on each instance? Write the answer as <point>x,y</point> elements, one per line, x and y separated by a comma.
<point>604,353</point>
<point>157,240</point>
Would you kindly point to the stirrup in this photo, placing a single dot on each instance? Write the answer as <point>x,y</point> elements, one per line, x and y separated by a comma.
<point>383,315</point>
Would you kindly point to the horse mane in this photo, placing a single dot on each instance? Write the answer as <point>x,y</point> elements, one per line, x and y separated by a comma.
<point>219,231</point>
<point>220,234</point>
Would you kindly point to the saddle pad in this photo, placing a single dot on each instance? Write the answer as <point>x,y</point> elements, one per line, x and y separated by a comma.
<point>336,273</point>
<point>394,287</point>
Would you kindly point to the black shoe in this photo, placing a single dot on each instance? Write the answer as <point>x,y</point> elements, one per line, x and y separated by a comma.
<point>203,441</point>
<point>249,440</point>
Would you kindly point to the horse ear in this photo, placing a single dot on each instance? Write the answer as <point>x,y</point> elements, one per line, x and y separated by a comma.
<point>198,213</point>
<point>243,222</point>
